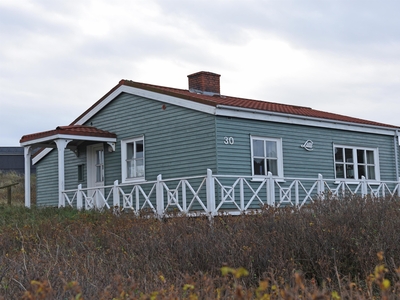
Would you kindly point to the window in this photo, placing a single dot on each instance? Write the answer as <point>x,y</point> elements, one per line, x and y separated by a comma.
<point>132,159</point>
<point>266,156</point>
<point>99,165</point>
<point>81,174</point>
<point>353,163</point>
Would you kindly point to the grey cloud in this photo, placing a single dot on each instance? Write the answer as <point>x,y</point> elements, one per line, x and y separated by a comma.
<point>331,25</point>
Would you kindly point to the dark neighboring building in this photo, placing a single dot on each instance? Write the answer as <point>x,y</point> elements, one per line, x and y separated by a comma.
<point>12,159</point>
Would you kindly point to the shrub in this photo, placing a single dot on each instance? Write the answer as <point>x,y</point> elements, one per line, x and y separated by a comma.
<point>327,249</point>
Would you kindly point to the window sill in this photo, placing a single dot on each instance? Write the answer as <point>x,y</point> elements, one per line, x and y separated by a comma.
<point>262,178</point>
<point>372,182</point>
<point>133,181</point>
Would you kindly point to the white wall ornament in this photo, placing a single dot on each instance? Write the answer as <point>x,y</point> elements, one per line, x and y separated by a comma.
<point>308,145</point>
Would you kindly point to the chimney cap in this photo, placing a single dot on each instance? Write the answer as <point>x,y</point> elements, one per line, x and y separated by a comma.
<point>204,73</point>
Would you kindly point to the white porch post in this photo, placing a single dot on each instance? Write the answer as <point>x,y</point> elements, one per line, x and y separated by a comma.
<point>61,145</point>
<point>27,157</point>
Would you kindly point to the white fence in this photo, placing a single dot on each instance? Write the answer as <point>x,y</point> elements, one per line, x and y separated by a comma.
<point>212,194</point>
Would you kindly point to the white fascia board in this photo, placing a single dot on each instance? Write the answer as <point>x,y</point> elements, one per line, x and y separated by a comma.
<point>151,95</point>
<point>67,137</point>
<point>237,112</point>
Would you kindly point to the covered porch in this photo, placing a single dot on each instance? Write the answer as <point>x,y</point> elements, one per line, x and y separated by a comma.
<point>73,137</point>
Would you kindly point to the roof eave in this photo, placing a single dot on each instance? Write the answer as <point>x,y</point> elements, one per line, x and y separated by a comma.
<point>227,110</point>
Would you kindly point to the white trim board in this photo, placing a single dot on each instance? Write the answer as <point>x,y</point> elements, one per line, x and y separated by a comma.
<point>70,137</point>
<point>237,112</point>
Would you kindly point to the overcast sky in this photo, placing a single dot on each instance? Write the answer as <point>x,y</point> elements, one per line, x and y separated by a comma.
<point>58,57</point>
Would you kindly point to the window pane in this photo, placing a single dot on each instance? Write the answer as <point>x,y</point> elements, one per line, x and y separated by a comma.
<point>371,172</point>
<point>370,157</point>
<point>339,171</point>
<point>271,149</point>
<point>258,148</point>
<point>259,168</point>
<point>80,172</point>
<point>139,168</point>
<point>360,157</point>
<point>99,157</point>
<point>139,149</point>
<point>349,171</point>
<point>99,173</point>
<point>272,166</point>
<point>129,151</point>
<point>130,166</point>
<point>339,154</point>
<point>361,171</point>
<point>348,154</point>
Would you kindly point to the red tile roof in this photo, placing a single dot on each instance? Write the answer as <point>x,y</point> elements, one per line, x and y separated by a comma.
<point>78,130</point>
<point>265,106</point>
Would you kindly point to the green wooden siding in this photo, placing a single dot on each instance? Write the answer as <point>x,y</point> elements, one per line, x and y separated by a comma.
<point>47,176</point>
<point>297,162</point>
<point>178,142</point>
<point>47,180</point>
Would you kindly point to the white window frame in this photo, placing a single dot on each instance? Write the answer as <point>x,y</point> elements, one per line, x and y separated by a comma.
<point>124,170</point>
<point>355,163</point>
<point>279,150</point>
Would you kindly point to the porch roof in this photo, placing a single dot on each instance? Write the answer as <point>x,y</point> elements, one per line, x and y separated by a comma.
<point>76,133</point>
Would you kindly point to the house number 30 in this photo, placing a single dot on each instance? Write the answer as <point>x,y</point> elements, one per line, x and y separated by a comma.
<point>228,140</point>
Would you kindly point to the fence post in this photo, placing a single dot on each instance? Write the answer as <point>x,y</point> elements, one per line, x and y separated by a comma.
<point>9,195</point>
<point>159,196</point>
<point>79,203</point>
<point>241,194</point>
<point>116,202</point>
<point>210,193</point>
<point>271,189</point>
<point>184,204</point>
<point>320,187</point>
<point>364,189</point>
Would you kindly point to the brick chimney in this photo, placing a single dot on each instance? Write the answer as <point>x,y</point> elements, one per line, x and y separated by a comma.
<point>204,82</point>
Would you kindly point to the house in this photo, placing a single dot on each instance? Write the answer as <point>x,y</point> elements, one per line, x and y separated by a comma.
<point>12,160</point>
<point>129,145</point>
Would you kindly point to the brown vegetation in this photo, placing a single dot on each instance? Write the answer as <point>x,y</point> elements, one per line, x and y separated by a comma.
<point>18,190</point>
<point>348,248</point>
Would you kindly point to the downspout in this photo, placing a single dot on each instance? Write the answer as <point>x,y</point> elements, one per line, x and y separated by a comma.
<point>396,153</point>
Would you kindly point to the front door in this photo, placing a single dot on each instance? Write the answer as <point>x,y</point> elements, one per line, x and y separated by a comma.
<point>95,175</point>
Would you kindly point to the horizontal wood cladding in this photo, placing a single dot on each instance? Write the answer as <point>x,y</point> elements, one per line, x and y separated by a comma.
<point>297,162</point>
<point>177,141</point>
<point>47,180</point>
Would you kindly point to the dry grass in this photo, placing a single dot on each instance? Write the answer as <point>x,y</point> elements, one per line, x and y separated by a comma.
<point>330,250</point>
<point>17,191</point>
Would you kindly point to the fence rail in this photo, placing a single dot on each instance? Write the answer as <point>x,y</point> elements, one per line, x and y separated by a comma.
<point>211,194</point>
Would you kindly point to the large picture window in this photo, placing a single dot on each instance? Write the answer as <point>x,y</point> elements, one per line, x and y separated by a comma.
<point>266,156</point>
<point>132,159</point>
<point>355,162</point>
